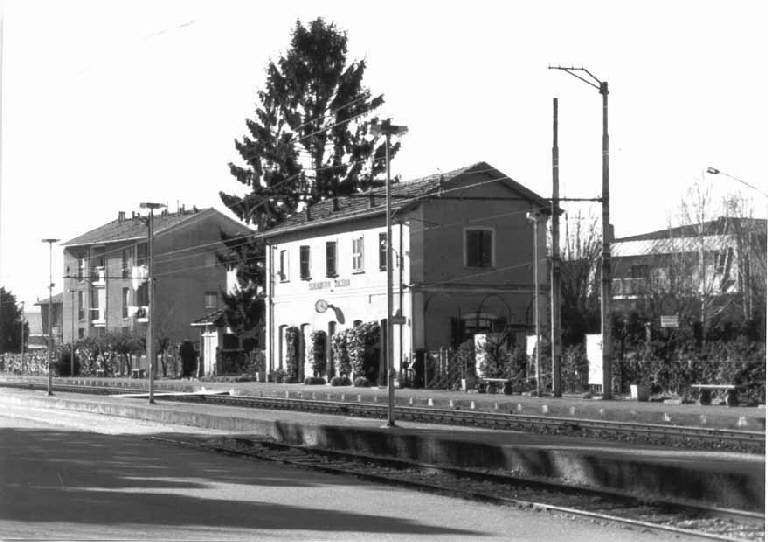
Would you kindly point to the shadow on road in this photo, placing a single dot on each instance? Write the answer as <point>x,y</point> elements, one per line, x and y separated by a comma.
<point>80,477</point>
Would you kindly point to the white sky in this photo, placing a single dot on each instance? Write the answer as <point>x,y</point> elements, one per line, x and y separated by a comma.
<point>109,103</point>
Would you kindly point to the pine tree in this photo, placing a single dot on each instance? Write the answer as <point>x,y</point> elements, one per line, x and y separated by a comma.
<point>309,141</point>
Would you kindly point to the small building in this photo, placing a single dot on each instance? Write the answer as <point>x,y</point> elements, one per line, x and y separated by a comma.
<point>105,274</point>
<point>462,265</point>
<point>712,271</point>
<point>56,307</point>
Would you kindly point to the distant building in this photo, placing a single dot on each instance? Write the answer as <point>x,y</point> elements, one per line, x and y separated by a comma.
<point>57,313</point>
<point>462,264</point>
<point>105,270</point>
<point>715,269</point>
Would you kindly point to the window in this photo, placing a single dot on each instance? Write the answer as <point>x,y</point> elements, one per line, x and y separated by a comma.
<point>358,262</point>
<point>81,263</point>
<point>142,294</point>
<point>80,333</point>
<point>640,271</point>
<point>283,268</point>
<point>80,305</point>
<point>383,251</point>
<point>126,299</point>
<point>478,247</point>
<point>304,267</point>
<point>141,254</point>
<point>126,263</point>
<point>211,300</point>
<point>330,259</point>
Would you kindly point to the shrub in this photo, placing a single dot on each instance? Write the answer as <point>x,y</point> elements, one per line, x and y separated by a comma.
<point>318,352</point>
<point>279,375</point>
<point>291,354</point>
<point>342,380</point>
<point>341,364</point>
<point>362,382</point>
<point>312,380</point>
<point>361,342</point>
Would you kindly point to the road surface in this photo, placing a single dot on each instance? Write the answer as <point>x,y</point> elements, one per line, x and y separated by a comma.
<point>66,475</point>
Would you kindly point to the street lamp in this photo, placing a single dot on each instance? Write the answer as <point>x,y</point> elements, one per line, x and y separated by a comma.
<point>714,171</point>
<point>150,290</point>
<point>388,129</point>
<point>534,219</point>
<point>605,290</point>
<point>50,310</point>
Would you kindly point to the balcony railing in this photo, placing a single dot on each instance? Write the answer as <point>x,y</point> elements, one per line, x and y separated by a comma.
<point>98,276</point>
<point>630,286</point>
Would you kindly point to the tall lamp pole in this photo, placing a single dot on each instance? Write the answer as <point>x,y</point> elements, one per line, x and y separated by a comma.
<point>50,310</point>
<point>151,295</point>
<point>21,343</point>
<point>534,218</point>
<point>388,129</point>
<point>714,171</point>
<point>605,289</point>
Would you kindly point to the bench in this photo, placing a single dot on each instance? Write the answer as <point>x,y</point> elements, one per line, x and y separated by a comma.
<point>138,373</point>
<point>705,393</point>
<point>490,385</point>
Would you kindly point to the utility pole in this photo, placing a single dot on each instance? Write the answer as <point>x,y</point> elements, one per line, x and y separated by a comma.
<point>534,218</point>
<point>50,310</point>
<point>555,279</point>
<point>151,294</point>
<point>21,343</point>
<point>388,129</point>
<point>605,283</point>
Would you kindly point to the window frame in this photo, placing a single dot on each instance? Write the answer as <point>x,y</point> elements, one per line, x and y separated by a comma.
<point>305,262</point>
<point>284,269</point>
<point>126,299</point>
<point>492,261</point>
<point>331,271</point>
<point>358,254</point>
<point>382,251</point>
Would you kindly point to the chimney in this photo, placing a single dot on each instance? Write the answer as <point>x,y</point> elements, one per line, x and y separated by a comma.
<point>121,216</point>
<point>335,203</point>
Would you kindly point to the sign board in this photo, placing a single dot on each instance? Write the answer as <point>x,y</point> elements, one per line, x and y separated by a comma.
<point>670,320</point>
<point>480,339</point>
<point>530,345</point>
<point>594,345</point>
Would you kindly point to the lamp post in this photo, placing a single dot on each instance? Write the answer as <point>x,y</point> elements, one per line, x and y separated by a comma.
<point>714,171</point>
<point>21,342</point>
<point>534,219</point>
<point>50,310</point>
<point>605,283</point>
<point>150,291</point>
<point>388,129</point>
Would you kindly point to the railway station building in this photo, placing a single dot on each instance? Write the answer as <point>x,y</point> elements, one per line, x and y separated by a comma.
<point>462,254</point>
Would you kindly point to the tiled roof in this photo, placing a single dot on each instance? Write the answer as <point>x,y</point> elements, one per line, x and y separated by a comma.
<point>721,225</point>
<point>404,194</point>
<point>57,298</point>
<point>133,228</point>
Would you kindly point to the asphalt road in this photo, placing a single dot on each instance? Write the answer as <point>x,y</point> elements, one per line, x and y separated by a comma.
<point>67,476</point>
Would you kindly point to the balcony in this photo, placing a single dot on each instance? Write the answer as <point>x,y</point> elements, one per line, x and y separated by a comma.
<point>629,288</point>
<point>98,276</point>
<point>97,317</point>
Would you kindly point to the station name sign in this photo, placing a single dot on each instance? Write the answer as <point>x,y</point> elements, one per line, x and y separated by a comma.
<point>321,285</point>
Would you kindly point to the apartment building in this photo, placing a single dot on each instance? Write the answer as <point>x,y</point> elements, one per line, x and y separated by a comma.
<point>105,274</point>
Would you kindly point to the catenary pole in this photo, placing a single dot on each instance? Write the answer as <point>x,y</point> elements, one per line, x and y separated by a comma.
<point>534,218</point>
<point>605,276</point>
<point>50,311</point>
<point>151,296</point>
<point>555,279</point>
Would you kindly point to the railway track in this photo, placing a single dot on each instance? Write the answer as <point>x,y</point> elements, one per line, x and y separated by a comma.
<point>665,517</point>
<point>679,436</point>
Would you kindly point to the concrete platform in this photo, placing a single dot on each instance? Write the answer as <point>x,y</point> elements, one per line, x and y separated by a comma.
<point>721,479</point>
<point>695,415</point>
